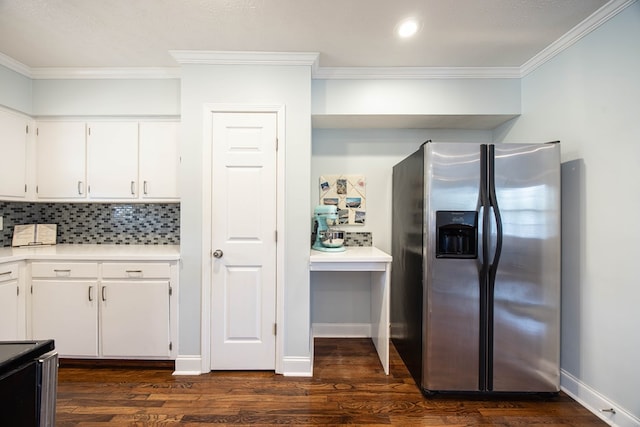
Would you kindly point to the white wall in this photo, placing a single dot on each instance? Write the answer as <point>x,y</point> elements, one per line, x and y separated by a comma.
<point>104,97</point>
<point>588,97</point>
<point>344,298</point>
<point>15,90</point>
<point>246,85</point>
<point>430,96</point>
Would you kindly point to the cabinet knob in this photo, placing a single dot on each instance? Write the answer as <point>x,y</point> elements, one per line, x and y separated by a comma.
<point>217,253</point>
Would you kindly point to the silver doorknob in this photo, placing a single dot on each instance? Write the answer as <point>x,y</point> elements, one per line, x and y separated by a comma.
<point>217,253</point>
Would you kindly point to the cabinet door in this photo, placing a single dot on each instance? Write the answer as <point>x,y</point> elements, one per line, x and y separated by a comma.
<point>112,160</point>
<point>66,311</point>
<point>13,146</point>
<point>9,321</point>
<point>159,160</point>
<point>61,160</point>
<point>135,318</point>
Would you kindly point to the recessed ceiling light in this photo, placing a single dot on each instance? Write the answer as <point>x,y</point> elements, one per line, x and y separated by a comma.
<point>407,28</point>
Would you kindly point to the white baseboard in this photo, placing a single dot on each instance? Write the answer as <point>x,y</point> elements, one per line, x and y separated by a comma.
<point>297,367</point>
<point>292,366</point>
<point>595,402</point>
<point>188,365</point>
<point>341,330</point>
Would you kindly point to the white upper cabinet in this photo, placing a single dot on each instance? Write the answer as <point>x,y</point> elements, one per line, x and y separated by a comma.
<point>159,160</point>
<point>13,146</point>
<point>112,160</point>
<point>72,160</point>
<point>60,160</point>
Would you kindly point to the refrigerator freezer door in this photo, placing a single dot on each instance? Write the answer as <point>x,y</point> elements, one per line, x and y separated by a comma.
<point>527,285</point>
<point>451,285</point>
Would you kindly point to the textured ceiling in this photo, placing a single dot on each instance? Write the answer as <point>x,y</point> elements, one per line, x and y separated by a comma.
<point>346,33</point>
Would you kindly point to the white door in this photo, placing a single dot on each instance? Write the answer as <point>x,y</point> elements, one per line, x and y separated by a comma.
<point>243,225</point>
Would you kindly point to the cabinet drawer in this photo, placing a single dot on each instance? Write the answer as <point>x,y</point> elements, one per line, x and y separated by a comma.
<point>64,269</point>
<point>8,272</point>
<point>154,270</point>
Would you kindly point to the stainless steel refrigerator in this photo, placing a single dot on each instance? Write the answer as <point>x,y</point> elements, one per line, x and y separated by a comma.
<point>475,288</point>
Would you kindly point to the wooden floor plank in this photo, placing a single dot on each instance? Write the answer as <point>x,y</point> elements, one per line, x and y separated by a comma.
<point>348,387</point>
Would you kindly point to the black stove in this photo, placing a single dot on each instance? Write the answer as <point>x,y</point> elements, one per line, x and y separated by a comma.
<point>28,382</point>
<point>16,353</point>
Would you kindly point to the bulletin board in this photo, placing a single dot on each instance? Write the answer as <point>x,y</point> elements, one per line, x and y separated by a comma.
<point>348,193</point>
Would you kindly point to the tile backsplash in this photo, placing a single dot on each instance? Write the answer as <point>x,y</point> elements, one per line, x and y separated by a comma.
<point>101,223</point>
<point>358,238</point>
<point>353,238</point>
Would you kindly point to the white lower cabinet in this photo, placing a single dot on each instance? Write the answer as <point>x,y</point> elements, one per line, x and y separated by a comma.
<point>135,319</point>
<point>11,316</point>
<point>123,311</point>
<point>66,311</point>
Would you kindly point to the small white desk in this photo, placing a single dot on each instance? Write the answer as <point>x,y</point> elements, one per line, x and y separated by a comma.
<point>379,264</point>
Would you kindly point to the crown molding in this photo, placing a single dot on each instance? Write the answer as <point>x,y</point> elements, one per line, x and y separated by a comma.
<point>14,65</point>
<point>244,58</point>
<point>595,20</point>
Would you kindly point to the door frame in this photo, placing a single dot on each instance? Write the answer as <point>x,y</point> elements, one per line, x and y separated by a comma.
<point>206,290</point>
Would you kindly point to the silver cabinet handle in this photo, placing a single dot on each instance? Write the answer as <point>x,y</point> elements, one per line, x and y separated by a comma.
<point>133,187</point>
<point>80,187</point>
<point>90,293</point>
<point>144,186</point>
<point>104,294</point>
<point>134,273</point>
<point>62,273</point>
<point>218,253</point>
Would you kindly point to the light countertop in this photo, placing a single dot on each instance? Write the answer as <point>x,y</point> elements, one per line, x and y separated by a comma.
<point>354,257</point>
<point>85,252</point>
<point>351,254</point>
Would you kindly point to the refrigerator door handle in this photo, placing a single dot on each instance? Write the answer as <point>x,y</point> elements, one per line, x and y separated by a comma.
<point>493,266</point>
<point>483,345</point>
<point>484,205</point>
<point>493,202</point>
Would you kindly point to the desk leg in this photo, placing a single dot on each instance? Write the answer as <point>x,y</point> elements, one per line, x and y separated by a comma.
<point>380,282</point>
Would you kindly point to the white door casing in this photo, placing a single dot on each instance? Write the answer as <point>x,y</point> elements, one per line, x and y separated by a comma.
<point>243,229</point>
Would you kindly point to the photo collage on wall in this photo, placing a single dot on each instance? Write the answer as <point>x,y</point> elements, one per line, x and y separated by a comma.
<point>347,192</point>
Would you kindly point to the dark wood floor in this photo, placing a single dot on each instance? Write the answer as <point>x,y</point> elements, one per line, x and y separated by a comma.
<point>348,387</point>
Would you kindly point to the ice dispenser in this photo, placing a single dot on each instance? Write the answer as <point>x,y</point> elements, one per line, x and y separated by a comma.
<point>457,234</point>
